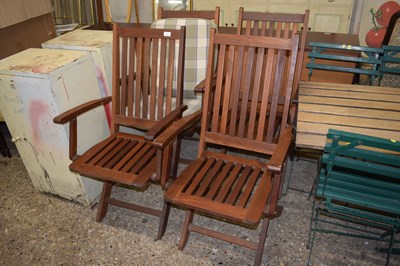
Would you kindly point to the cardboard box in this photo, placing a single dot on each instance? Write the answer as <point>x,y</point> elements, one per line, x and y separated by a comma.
<point>24,24</point>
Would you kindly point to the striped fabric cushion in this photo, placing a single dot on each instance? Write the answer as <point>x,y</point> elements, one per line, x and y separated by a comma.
<point>197,38</point>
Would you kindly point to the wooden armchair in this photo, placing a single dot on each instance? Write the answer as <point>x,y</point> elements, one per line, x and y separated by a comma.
<point>142,102</point>
<point>232,186</point>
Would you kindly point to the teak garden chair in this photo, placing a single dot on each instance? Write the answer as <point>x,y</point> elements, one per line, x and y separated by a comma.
<point>228,186</point>
<point>143,102</point>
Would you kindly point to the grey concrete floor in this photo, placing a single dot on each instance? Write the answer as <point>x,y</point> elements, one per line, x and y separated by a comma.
<point>40,229</point>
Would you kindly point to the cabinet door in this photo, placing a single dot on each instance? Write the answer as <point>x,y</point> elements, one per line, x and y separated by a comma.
<point>330,15</point>
<point>28,108</point>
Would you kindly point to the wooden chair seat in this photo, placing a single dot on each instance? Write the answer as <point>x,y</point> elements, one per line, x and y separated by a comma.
<point>238,192</point>
<point>122,158</point>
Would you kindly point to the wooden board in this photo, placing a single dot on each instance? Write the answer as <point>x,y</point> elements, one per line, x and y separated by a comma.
<point>366,110</point>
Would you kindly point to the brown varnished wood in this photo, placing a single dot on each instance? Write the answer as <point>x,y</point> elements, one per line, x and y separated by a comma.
<point>205,14</point>
<point>245,112</point>
<point>142,102</point>
<point>282,25</point>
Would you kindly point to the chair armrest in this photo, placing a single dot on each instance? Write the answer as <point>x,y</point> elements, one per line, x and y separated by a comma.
<point>164,123</point>
<point>175,129</point>
<point>201,87</point>
<point>71,115</point>
<point>67,116</point>
<point>282,149</point>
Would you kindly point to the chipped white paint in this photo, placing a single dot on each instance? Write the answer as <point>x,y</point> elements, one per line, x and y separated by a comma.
<point>35,86</point>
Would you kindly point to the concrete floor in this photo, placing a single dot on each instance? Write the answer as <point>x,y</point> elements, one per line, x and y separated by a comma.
<point>39,229</point>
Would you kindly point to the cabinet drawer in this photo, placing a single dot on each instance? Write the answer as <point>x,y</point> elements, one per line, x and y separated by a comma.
<point>331,2</point>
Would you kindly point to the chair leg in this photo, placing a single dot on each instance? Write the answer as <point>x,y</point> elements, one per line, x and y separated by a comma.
<point>175,156</point>
<point>282,178</point>
<point>311,236</point>
<point>103,204</point>
<point>390,247</point>
<point>185,230</point>
<point>3,146</point>
<point>163,220</point>
<point>261,241</point>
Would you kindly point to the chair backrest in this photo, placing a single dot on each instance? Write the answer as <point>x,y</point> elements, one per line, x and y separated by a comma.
<point>144,62</point>
<point>279,25</point>
<point>196,50</point>
<point>245,109</point>
<point>390,63</point>
<point>205,14</point>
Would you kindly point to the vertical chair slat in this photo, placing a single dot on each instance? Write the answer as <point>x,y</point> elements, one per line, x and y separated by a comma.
<point>123,83</point>
<point>139,71</point>
<point>161,84</point>
<point>218,94</point>
<point>227,91</point>
<point>131,84</point>
<point>154,74</point>
<point>145,81</point>
<point>171,54</point>
<point>245,90</point>
<point>236,84</point>
<point>275,94</point>
<point>255,93</point>
<point>265,93</point>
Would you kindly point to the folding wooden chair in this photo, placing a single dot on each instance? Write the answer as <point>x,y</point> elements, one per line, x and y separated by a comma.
<point>143,102</point>
<point>231,186</point>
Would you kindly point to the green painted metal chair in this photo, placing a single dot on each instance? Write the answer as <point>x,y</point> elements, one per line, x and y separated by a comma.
<point>327,52</point>
<point>359,182</point>
<point>390,61</point>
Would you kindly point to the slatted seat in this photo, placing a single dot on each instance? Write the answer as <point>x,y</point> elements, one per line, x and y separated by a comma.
<point>240,115</point>
<point>122,158</point>
<point>140,103</point>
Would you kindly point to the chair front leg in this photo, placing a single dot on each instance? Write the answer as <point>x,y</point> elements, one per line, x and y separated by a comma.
<point>104,200</point>
<point>185,229</point>
<point>261,241</point>
<point>163,220</point>
<point>163,165</point>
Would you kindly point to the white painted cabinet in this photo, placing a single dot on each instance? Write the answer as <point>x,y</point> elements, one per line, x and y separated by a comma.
<point>35,86</point>
<point>98,43</point>
<point>325,15</point>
